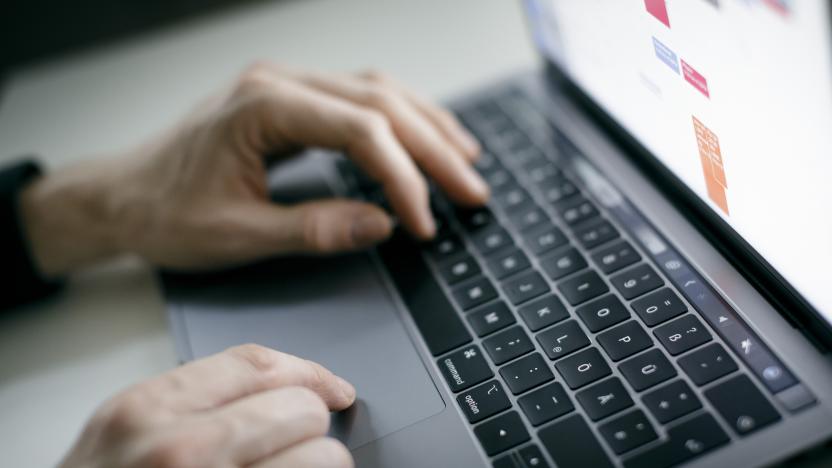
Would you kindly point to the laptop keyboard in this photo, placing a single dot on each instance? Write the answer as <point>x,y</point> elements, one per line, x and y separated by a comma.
<point>556,331</point>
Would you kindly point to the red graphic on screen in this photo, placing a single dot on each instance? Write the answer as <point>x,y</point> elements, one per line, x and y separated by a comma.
<point>695,78</point>
<point>658,8</point>
<point>712,167</point>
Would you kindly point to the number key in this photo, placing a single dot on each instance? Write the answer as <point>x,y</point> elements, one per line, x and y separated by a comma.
<point>659,306</point>
<point>637,281</point>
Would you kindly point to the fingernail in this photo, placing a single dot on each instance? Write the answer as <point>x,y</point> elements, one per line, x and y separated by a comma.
<point>346,388</point>
<point>482,190</point>
<point>370,229</point>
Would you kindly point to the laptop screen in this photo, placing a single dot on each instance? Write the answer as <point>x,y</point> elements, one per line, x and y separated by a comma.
<point>733,96</point>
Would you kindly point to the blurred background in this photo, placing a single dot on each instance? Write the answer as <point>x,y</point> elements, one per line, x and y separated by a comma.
<point>90,78</point>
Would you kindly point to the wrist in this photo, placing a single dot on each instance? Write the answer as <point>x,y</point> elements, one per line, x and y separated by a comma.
<point>70,218</point>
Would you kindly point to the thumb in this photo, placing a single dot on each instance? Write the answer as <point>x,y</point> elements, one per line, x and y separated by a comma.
<point>328,226</point>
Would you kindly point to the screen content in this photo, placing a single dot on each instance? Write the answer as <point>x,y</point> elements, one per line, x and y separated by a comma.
<point>733,96</point>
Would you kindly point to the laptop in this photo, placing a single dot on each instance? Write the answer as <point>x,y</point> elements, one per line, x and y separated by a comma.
<point>647,287</point>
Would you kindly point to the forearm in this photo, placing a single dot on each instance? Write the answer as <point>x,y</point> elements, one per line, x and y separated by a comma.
<point>71,219</point>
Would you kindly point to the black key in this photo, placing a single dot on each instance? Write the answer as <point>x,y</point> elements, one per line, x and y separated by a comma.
<point>596,234</point>
<point>741,405</point>
<point>508,263</point>
<point>563,339</point>
<point>532,457</point>
<point>571,444</point>
<point>526,373</point>
<point>483,401</point>
<point>576,210</point>
<point>685,441</point>
<point>544,239</point>
<point>628,431</point>
<point>543,311</point>
<point>443,249</point>
<point>671,401</point>
<point>624,340</point>
<point>529,218</point>
<point>438,321</point>
<point>543,174</point>
<point>582,287</point>
<point>506,461</point>
<point>459,269</point>
<point>557,189</point>
<point>562,263</point>
<point>682,334</point>
<point>615,256</point>
<point>499,180</point>
<point>583,368</point>
<point>602,313</point>
<point>707,364</point>
<point>604,398</point>
<point>514,199</point>
<point>507,345</point>
<point>490,318</point>
<point>475,219</point>
<point>474,292</point>
<point>487,163</point>
<point>659,306</point>
<point>501,433</point>
<point>492,239</point>
<point>545,404</point>
<point>525,286</point>
<point>465,368</point>
<point>647,370</point>
<point>636,281</point>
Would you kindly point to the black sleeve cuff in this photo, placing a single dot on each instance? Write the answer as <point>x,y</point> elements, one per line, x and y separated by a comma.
<point>26,282</point>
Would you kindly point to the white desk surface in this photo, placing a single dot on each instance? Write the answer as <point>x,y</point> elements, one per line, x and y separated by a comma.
<point>109,329</point>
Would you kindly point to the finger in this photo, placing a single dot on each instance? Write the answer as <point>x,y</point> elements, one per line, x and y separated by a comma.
<point>445,121</point>
<point>241,371</point>
<point>318,227</point>
<point>424,141</point>
<point>285,110</point>
<point>322,452</point>
<point>264,423</point>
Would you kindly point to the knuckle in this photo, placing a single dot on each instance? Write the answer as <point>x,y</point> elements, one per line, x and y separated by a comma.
<point>315,236</point>
<point>371,125</point>
<point>376,76</point>
<point>333,453</point>
<point>260,358</point>
<point>446,116</point>
<point>176,452</point>
<point>380,97</point>
<point>123,413</point>
<point>310,407</point>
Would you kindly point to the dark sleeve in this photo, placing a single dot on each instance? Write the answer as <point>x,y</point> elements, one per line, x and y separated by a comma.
<point>23,283</point>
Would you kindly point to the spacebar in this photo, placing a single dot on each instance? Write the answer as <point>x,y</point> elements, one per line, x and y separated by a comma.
<point>435,316</point>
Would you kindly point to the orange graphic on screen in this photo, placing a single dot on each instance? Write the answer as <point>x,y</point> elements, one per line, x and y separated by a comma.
<point>712,166</point>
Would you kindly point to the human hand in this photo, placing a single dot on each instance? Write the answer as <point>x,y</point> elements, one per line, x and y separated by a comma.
<point>248,406</point>
<point>197,197</point>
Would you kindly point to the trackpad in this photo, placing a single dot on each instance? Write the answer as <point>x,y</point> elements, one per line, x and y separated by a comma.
<point>333,311</point>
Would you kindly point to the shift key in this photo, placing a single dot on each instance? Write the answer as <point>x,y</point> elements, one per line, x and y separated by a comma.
<point>465,368</point>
